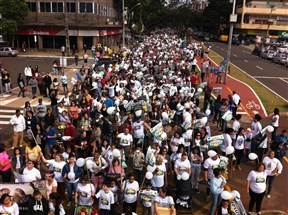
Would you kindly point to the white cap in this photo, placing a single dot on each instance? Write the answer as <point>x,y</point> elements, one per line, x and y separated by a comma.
<point>211,153</point>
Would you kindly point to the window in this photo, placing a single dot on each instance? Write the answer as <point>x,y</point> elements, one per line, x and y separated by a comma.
<point>32,6</point>
<point>57,7</point>
<point>86,7</point>
<point>71,7</point>
<point>45,7</point>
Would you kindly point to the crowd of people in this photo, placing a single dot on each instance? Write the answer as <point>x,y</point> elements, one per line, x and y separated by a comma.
<point>142,113</point>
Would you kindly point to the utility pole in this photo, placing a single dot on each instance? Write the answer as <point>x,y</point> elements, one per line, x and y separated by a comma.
<point>233,19</point>
<point>123,24</point>
<point>67,40</point>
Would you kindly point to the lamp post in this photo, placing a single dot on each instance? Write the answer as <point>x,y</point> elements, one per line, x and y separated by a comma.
<point>270,20</point>
<point>124,16</point>
<point>233,19</point>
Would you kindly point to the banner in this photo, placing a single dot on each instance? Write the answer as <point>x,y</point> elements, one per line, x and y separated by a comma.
<point>237,207</point>
<point>148,196</point>
<point>157,131</point>
<point>215,141</point>
<point>23,192</point>
<point>227,116</point>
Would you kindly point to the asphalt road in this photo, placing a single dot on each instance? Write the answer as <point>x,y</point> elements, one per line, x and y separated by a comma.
<point>273,76</point>
<point>16,65</point>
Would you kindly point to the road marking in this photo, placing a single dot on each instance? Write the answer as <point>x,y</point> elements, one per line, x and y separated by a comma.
<point>263,108</point>
<point>5,122</point>
<point>5,102</point>
<point>9,111</point>
<point>246,61</point>
<point>235,55</point>
<point>283,80</point>
<point>6,116</point>
<point>259,67</point>
<point>222,49</point>
<point>242,106</point>
<point>286,159</point>
<point>264,77</point>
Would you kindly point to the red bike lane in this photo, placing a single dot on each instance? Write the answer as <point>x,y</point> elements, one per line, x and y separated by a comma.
<point>250,102</point>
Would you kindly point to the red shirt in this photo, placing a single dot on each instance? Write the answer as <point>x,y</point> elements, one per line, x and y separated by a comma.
<point>194,80</point>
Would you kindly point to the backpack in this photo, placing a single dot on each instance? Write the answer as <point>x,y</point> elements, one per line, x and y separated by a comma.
<point>259,138</point>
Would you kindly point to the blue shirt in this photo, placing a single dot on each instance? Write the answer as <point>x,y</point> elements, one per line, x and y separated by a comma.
<point>51,132</point>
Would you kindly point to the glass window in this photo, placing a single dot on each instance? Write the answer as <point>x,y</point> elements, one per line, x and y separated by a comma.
<point>71,7</point>
<point>57,7</point>
<point>45,7</point>
<point>32,6</point>
<point>86,7</point>
<point>60,7</point>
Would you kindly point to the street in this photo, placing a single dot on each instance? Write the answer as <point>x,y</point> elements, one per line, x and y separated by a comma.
<point>273,76</point>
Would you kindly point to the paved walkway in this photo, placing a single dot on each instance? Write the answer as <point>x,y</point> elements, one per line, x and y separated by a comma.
<point>250,102</point>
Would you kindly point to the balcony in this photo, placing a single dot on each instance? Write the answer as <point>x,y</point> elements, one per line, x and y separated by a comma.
<point>259,10</point>
<point>261,26</point>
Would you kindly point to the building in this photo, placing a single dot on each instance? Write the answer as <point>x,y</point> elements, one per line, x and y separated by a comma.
<point>263,18</point>
<point>72,23</point>
<point>198,5</point>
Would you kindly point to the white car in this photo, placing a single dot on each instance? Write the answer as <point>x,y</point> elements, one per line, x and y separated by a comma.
<point>283,49</point>
<point>8,52</point>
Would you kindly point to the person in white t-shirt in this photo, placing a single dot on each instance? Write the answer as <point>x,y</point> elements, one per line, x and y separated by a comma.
<point>84,192</point>
<point>55,206</point>
<point>273,168</point>
<point>31,172</point>
<point>159,174</point>
<point>147,197</point>
<point>256,187</point>
<point>227,140</point>
<point>126,141</point>
<point>51,184</point>
<point>163,201</point>
<point>256,128</point>
<point>106,199</point>
<point>275,122</point>
<point>236,123</point>
<point>8,206</point>
<point>239,145</point>
<point>138,130</point>
<point>182,165</point>
<point>130,188</point>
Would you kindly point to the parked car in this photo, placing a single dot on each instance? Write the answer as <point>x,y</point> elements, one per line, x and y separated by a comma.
<point>280,58</point>
<point>268,54</point>
<point>283,48</point>
<point>235,42</point>
<point>8,52</point>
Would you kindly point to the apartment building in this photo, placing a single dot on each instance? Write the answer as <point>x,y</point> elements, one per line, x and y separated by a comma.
<point>263,18</point>
<point>54,23</point>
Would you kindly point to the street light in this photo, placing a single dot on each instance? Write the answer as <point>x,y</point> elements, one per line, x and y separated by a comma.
<point>124,17</point>
<point>233,19</point>
<point>270,20</point>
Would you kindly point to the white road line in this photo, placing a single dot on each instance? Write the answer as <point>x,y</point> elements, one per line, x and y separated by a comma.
<point>5,122</point>
<point>235,55</point>
<point>243,112</point>
<point>5,102</point>
<point>9,111</point>
<point>6,116</point>
<point>259,67</point>
<point>269,77</point>
<point>284,80</point>
<point>246,61</point>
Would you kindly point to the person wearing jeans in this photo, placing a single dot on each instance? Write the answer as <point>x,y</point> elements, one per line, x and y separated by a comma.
<point>217,184</point>
<point>196,165</point>
<point>71,173</point>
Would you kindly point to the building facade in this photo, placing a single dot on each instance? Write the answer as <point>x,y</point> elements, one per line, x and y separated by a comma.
<point>72,23</point>
<point>263,18</point>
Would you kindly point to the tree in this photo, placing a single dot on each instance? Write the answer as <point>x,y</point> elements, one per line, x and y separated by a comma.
<point>13,12</point>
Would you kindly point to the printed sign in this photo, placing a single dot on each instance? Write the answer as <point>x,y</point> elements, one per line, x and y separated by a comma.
<point>157,131</point>
<point>215,141</point>
<point>237,207</point>
<point>23,192</point>
<point>227,116</point>
<point>217,90</point>
<point>147,196</point>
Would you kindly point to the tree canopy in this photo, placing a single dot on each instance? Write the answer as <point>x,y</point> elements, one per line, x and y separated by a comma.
<point>13,12</point>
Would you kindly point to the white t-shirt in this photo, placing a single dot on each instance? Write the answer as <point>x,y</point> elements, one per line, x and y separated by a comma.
<point>85,193</point>
<point>227,142</point>
<point>271,164</point>
<point>13,210</point>
<point>256,128</point>
<point>182,166</point>
<point>166,202</point>
<point>276,123</point>
<point>239,142</point>
<point>149,197</point>
<point>125,140</point>
<point>109,156</point>
<point>236,125</point>
<point>34,173</point>
<point>106,199</point>
<point>114,190</point>
<point>50,187</point>
<point>211,164</point>
<point>257,181</point>
<point>57,168</point>
<point>52,209</point>
<point>187,139</point>
<point>158,177</point>
<point>175,142</point>
<point>248,143</point>
<point>111,91</point>
<point>130,191</point>
<point>138,128</point>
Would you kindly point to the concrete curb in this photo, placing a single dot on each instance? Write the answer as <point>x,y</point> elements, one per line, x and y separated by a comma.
<point>48,56</point>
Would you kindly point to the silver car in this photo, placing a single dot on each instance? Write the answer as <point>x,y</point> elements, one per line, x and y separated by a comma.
<point>268,54</point>
<point>8,52</point>
<point>280,58</point>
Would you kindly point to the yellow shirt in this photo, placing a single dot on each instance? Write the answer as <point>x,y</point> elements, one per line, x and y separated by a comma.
<point>34,153</point>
